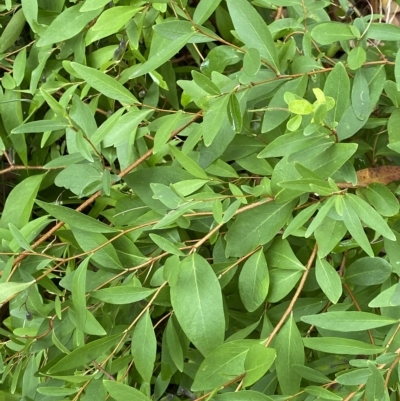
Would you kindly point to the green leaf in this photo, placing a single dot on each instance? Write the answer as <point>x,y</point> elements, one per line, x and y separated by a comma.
<point>90,5</point>
<point>323,393</point>
<point>75,219</point>
<point>223,364</point>
<point>12,30</point>
<point>79,294</point>
<point>252,62</point>
<point>397,70</point>
<point>166,245</point>
<point>336,345</point>
<point>19,237</point>
<point>355,377</point>
<point>253,30</point>
<point>197,302</point>
<point>329,280</point>
<point>256,227</point>
<point>41,126</point>
<point>188,164</point>
<point>30,10</point>
<point>289,351</point>
<point>122,294</point>
<point>382,199</point>
<point>105,84</point>
<point>9,289</point>
<point>144,347</point>
<point>368,271</point>
<point>328,234</point>
<point>348,321</point>
<point>83,355</point>
<point>281,283</point>
<point>205,83</point>
<point>355,228</point>
<point>280,254</point>
<point>123,392</point>
<point>370,216</point>
<point>204,9</point>
<point>327,33</point>
<point>66,25</point>
<point>164,131</point>
<point>165,50</point>
<point>110,21</point>
<point>19,203</point>
<point>360,99</point>
<point>174,346</point>
<point>258,360</point>
<point>234,113</point>
<point>386,32</point>
<point>254,281</point>
<point>375,389</point>
<point>244,395</point>
<point>300,220</point>
<point>356,58</point>
<point>214,119</point>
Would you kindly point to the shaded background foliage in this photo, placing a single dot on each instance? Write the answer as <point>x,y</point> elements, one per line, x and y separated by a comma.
<point>199,200</point>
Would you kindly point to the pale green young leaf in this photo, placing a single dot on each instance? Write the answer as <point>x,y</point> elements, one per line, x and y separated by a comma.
<point>19,237</point>
<point>90,5</point>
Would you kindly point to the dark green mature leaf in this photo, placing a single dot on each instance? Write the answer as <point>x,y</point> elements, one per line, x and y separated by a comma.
<point>375,388</point>
<point>197,302</point>
<point>41,126</point>
<point>12,31</point>
<point>244,395</point>
<point>253,31</point>
<point>254,281</point>
<point>256,227</point>
<point>382,199</point>
<point>348,321</point>
<point>289,351</point>
<point>105,84</point>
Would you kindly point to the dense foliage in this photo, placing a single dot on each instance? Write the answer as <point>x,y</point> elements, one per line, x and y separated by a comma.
<point>199,201</point>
